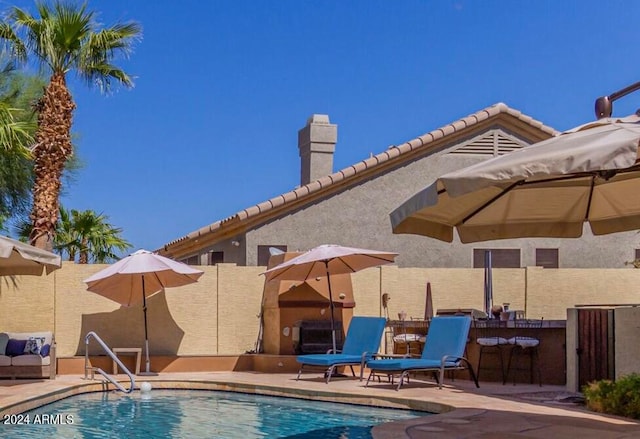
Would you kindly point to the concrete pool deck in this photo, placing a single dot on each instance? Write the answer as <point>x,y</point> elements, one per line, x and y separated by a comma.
<point>494,410</point>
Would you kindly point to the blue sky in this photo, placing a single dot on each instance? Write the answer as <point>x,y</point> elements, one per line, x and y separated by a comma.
<point>222,88</point>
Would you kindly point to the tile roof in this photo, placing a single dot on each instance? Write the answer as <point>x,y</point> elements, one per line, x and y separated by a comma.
<point>393,154</point>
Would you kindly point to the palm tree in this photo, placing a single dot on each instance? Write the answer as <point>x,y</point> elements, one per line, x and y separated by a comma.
<point>66,239</point>
<point>88,235</point>
<point>17,126</point>
<point>65,37</point>
<point>84,234</point>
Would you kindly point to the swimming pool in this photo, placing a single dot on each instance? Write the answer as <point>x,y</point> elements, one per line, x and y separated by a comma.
<point>196,414</point>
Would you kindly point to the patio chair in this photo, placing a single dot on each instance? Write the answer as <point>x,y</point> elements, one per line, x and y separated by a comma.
<point>362,342</point>
<point>490,341</point>
<point>443,351</point>
<point>523,346</point>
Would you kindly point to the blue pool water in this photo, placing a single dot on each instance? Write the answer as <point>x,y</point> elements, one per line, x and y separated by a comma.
<point>197,414</point>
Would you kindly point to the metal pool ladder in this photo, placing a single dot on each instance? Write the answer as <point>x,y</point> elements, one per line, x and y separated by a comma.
<point>113,356</point>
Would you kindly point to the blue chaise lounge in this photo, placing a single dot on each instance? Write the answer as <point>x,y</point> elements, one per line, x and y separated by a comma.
<point>443,350</point>
<point>362,342</point>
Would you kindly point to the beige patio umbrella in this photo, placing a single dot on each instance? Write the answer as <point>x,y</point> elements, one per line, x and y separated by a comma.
<point>18,258</point>
<point>138,276</point>
<point>550,189</point>
<point>327,260</point>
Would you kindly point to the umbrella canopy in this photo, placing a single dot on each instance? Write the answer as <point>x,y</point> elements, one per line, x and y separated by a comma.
<point>327,260</point>
<point>588,174</point>
<point>19,258</point>
<point>123,281</point>
<point>138,276</point>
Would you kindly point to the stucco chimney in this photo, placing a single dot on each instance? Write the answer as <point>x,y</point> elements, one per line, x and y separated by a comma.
<point>316,143</point>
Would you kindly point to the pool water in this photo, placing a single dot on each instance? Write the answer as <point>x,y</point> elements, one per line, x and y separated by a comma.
<point>197,414</point>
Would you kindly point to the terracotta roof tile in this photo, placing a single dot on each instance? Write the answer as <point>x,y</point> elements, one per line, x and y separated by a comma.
<point>253,210</point>
<point>415,143</point>
<point>448,129</point>
<point>264,206</point>
<point>314,186</point>
<point>482,115</point>
<point>383,157</point>
<point>459,125</point>
<point>290,196</point>
<point>336,177</point>
<point>348,172</point>
<point>370,162</point>
<point>302,191</point>
<point>360,166</point>
<point>393,151</point>
<point>437,134</point>
<point>404,148</point>
<point>325,181</point>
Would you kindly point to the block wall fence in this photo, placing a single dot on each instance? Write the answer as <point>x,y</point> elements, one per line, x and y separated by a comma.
<point>219,315</point>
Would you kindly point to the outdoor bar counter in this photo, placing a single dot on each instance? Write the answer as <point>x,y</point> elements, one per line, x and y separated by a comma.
<point>551,353</point>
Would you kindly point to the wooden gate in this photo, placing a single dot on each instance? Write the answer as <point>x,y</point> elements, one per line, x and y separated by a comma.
<point>595,345</point>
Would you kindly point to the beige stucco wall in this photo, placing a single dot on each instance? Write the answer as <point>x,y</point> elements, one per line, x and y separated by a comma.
<point>627,348</point>
<point>551,292</point>
<point>27,303</point>
<point>219,314</point>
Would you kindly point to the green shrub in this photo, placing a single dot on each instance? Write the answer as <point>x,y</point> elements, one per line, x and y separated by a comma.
<point>621,397</point>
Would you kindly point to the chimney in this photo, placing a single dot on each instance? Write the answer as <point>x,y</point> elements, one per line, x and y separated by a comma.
<point>316,143</point>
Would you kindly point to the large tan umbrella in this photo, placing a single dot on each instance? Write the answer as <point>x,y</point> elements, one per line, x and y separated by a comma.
<point>325,261</point>
<point>18,258</point>
<point>550,189</point>
<point>138,276</point>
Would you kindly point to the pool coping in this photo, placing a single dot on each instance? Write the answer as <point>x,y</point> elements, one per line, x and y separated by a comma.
<point>462,410</point>
<point>396,402</point>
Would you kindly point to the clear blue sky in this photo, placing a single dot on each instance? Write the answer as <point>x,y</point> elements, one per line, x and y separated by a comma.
<point>222,87</point>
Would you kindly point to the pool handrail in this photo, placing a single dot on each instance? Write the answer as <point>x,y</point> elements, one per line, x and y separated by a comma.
<point>113,356</point>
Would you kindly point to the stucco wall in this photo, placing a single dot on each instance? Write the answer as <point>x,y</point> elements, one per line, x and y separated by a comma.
<point>219,314</point>
<point>359,217</point>
<point>627,349</point>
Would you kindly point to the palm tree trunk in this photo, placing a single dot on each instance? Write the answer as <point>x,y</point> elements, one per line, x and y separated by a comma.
<point>51,150</point>
<point>84,253</point>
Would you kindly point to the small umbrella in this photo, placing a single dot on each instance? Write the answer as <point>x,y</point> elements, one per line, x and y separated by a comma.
<point>139,276</point>
<point>428,307</point>
<point>19,258</point>
<point>588,174</point>
<point>327,260</point>
<point>488,283</point>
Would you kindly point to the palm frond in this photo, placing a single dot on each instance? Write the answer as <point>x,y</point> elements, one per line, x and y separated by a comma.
<point>12,43</point>
<point>102,75</point>
<point>66,37</point>
<point>14,134</point>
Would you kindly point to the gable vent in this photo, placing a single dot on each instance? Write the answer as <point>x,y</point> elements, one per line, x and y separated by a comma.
<point>493,143</point>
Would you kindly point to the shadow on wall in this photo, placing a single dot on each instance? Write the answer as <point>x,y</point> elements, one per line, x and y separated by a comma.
<point>124,327</point>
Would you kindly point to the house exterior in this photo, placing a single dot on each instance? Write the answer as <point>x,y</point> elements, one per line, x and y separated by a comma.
<point>351,207</point>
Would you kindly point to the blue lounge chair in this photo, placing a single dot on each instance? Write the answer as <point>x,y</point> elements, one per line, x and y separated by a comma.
<point>443,350</point>
<point>362,342</point>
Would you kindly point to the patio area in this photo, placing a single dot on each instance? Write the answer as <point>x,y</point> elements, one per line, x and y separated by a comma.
<point>493,410</point>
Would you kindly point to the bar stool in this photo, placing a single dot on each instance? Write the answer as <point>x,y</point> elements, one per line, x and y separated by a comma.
<point>523,346</point>
<point>490,342</point>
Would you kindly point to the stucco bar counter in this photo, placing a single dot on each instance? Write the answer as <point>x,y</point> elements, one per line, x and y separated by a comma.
<point>551,353</point>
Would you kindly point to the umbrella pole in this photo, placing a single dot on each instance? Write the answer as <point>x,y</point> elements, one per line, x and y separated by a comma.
<point>333,328</point>
<point>146,337</point>
<point>488,284</point>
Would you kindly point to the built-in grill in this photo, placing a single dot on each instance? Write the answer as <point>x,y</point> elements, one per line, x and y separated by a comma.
<point>314,336</point>
<point>297,315</point>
